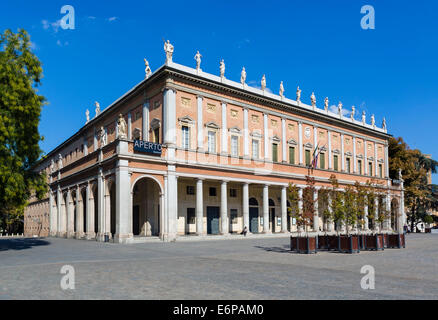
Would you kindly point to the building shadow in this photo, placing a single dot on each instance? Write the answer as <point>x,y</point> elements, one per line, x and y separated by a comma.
<point>283,249</point>
<point>21,244</point>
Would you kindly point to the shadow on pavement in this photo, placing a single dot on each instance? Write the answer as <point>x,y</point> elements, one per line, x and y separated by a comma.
<point>285,249</point>
<point>20,244</point>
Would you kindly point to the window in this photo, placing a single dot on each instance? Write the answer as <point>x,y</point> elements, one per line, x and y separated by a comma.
<point>370,168</point>
<point>255,149</point>
<point>212,192</point>
<point>275,152</point>
<point>322,160</point>
<point>185,137</point>
<point>233,216</point>
<point>211,142</point>
<point>380,171</point>
<point>292,155</point>
<point>348,165</point>
<point>233,193</point>
<point>234,146</point>
<point>157,135</point>
<point>307,157</point>
<point>137,115</point>
<point>190,190</point>
<point>191,217</point>
<point>335,162</point>
<point>359,166</point>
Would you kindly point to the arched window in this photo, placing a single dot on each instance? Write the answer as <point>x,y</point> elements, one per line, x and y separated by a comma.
<point>271,203</point>
<point>253,202</point>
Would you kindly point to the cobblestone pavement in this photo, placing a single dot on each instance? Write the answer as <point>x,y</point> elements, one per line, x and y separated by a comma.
<point>215,269</point>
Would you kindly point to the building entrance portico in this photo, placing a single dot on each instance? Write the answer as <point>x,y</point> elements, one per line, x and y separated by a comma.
<point>146,208</point>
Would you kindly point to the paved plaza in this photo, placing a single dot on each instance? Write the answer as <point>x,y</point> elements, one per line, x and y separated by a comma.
<point>257,268</point>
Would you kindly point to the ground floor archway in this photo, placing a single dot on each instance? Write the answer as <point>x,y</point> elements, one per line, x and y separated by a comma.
<point>146,208</point>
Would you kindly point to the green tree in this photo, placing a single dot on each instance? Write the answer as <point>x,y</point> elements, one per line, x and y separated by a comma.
<point>294,209</point>
<point>415,166</point>
<point>337,202</point>
<point>350,207</point>
<point>20,110</point>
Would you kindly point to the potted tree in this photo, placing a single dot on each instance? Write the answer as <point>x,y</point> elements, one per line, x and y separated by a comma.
<point>323,200</point>
<point>349,243</point>
<point>374,241</point>
<point>382,216</point>
<point>294,212</point>
<point>336,211</point>
<point>360,207</point>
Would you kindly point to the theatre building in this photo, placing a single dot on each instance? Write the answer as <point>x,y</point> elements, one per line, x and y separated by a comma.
<point>188,153</point>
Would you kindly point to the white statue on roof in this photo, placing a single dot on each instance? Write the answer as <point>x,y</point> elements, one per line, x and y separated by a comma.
<point>222,68</point>
<point>340,108</point>
<point>384,123</point>
<point>298,94</point>
<point>147,69</point>
<point>281,89</point>
<point>313,99</point>
<point>198,60</point>
<point>97,104</point>
<point>243,76</point>
<point>353,111</point>
<point>263,82</point>
<point>373,120</point>
<point>87,115</point>
<point>326,103</point>
<point>364,119</point>
<point>168,49</point>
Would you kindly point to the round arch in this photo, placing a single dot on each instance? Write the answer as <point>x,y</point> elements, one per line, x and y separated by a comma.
<point>147,176</point>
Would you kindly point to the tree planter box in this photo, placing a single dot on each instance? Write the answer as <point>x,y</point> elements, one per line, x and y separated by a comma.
<point>293,243</point>
<point>333,243</point>
<point>348,244</point>
<point>323,242</point>
<point>362,241</point>
<point>306,245</point>
<point>396,241</point>
<point>385,240</point>
<point>374,242</point>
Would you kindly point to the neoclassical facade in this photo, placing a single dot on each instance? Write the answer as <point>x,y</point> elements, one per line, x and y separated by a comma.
<point>201,154</point>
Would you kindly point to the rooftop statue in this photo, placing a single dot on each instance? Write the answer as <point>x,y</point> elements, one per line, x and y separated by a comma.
<point>263,82</point>
<point>243,76</point>
<point>364,119</point>
<point>168,49</point>
<point>147,69</point>
<point>340,108</point>
<point>373,120</point>
<point>87,115</point>
<point>222,68</point>
<point>384,124</point>
<point>97,108</point>
<point>198,60</point>
<point>281,89</point>
<point>353,111</point>
<point>298,94</point>
<point>313,99</point>
<point>326,103</point>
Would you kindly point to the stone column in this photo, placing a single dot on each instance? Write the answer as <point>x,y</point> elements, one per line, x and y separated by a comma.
<point>107,217</point>
<point>145,121</point>
<point>245,205</point>
<point>199,207</point>
<point>129,126</point>
<point>95,146</point>
<point>70,215</point>
<point>283,140</point>
<point>386,161</point>
<point>366,214</point>
<point>387,224</point>
<point>265,136</point>
<point>365,159</point>
<point>224,208</point>
<point>354,156</point>
<point>376,212</point>
<point>315,136</point>
<point>89,203</point>
<point>79,214</point>
<point>330,157</point>
<point>53,222</point>
<point>245,134</point>
<point>169,114</point>
<point>165,222</point>
<point>342,153</point>
<point>200,124</point>
<point>224,140</point>
<point>100,206</point>
<point>376,166</point>
<point>266,209</point>
<point>61,212</point>
<point>315,213</point>
<point>284,215</point>
<point>402,215</point>
<point>85,146</point>
<point>300,141</point>
<point>172,204</point>
<point>300,201</point>
<point>123,200</point>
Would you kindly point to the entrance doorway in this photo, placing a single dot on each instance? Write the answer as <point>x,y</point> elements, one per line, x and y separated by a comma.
<point>212,220</point>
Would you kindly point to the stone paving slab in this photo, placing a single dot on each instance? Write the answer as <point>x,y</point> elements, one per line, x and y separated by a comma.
<point>251,268</point>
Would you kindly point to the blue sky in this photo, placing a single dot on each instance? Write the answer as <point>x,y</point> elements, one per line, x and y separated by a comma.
<point>391,71</point>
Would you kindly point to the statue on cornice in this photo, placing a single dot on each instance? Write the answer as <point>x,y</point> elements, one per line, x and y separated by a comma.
<point>326,103</point>
<point>52,166</point>
<point>340,108</point>
<point>222,68</point>
<point>147,69</point>
<point>281,89</point>
<point>87,115</point>
<point>198,60</point>
<point>298,94</point>
<point>102,135</point>
<point>364,119</point>
<point>263,83</point>
<point>399,174</point>
<point>373,120</point>
<point>168,49</point>
<point>97,110</point>
<point>353,111</point>
<point>243,76</point>
<point>313,99</point>
<point>121,127</point>
<point>59,161</point>
<point>384,123</point>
